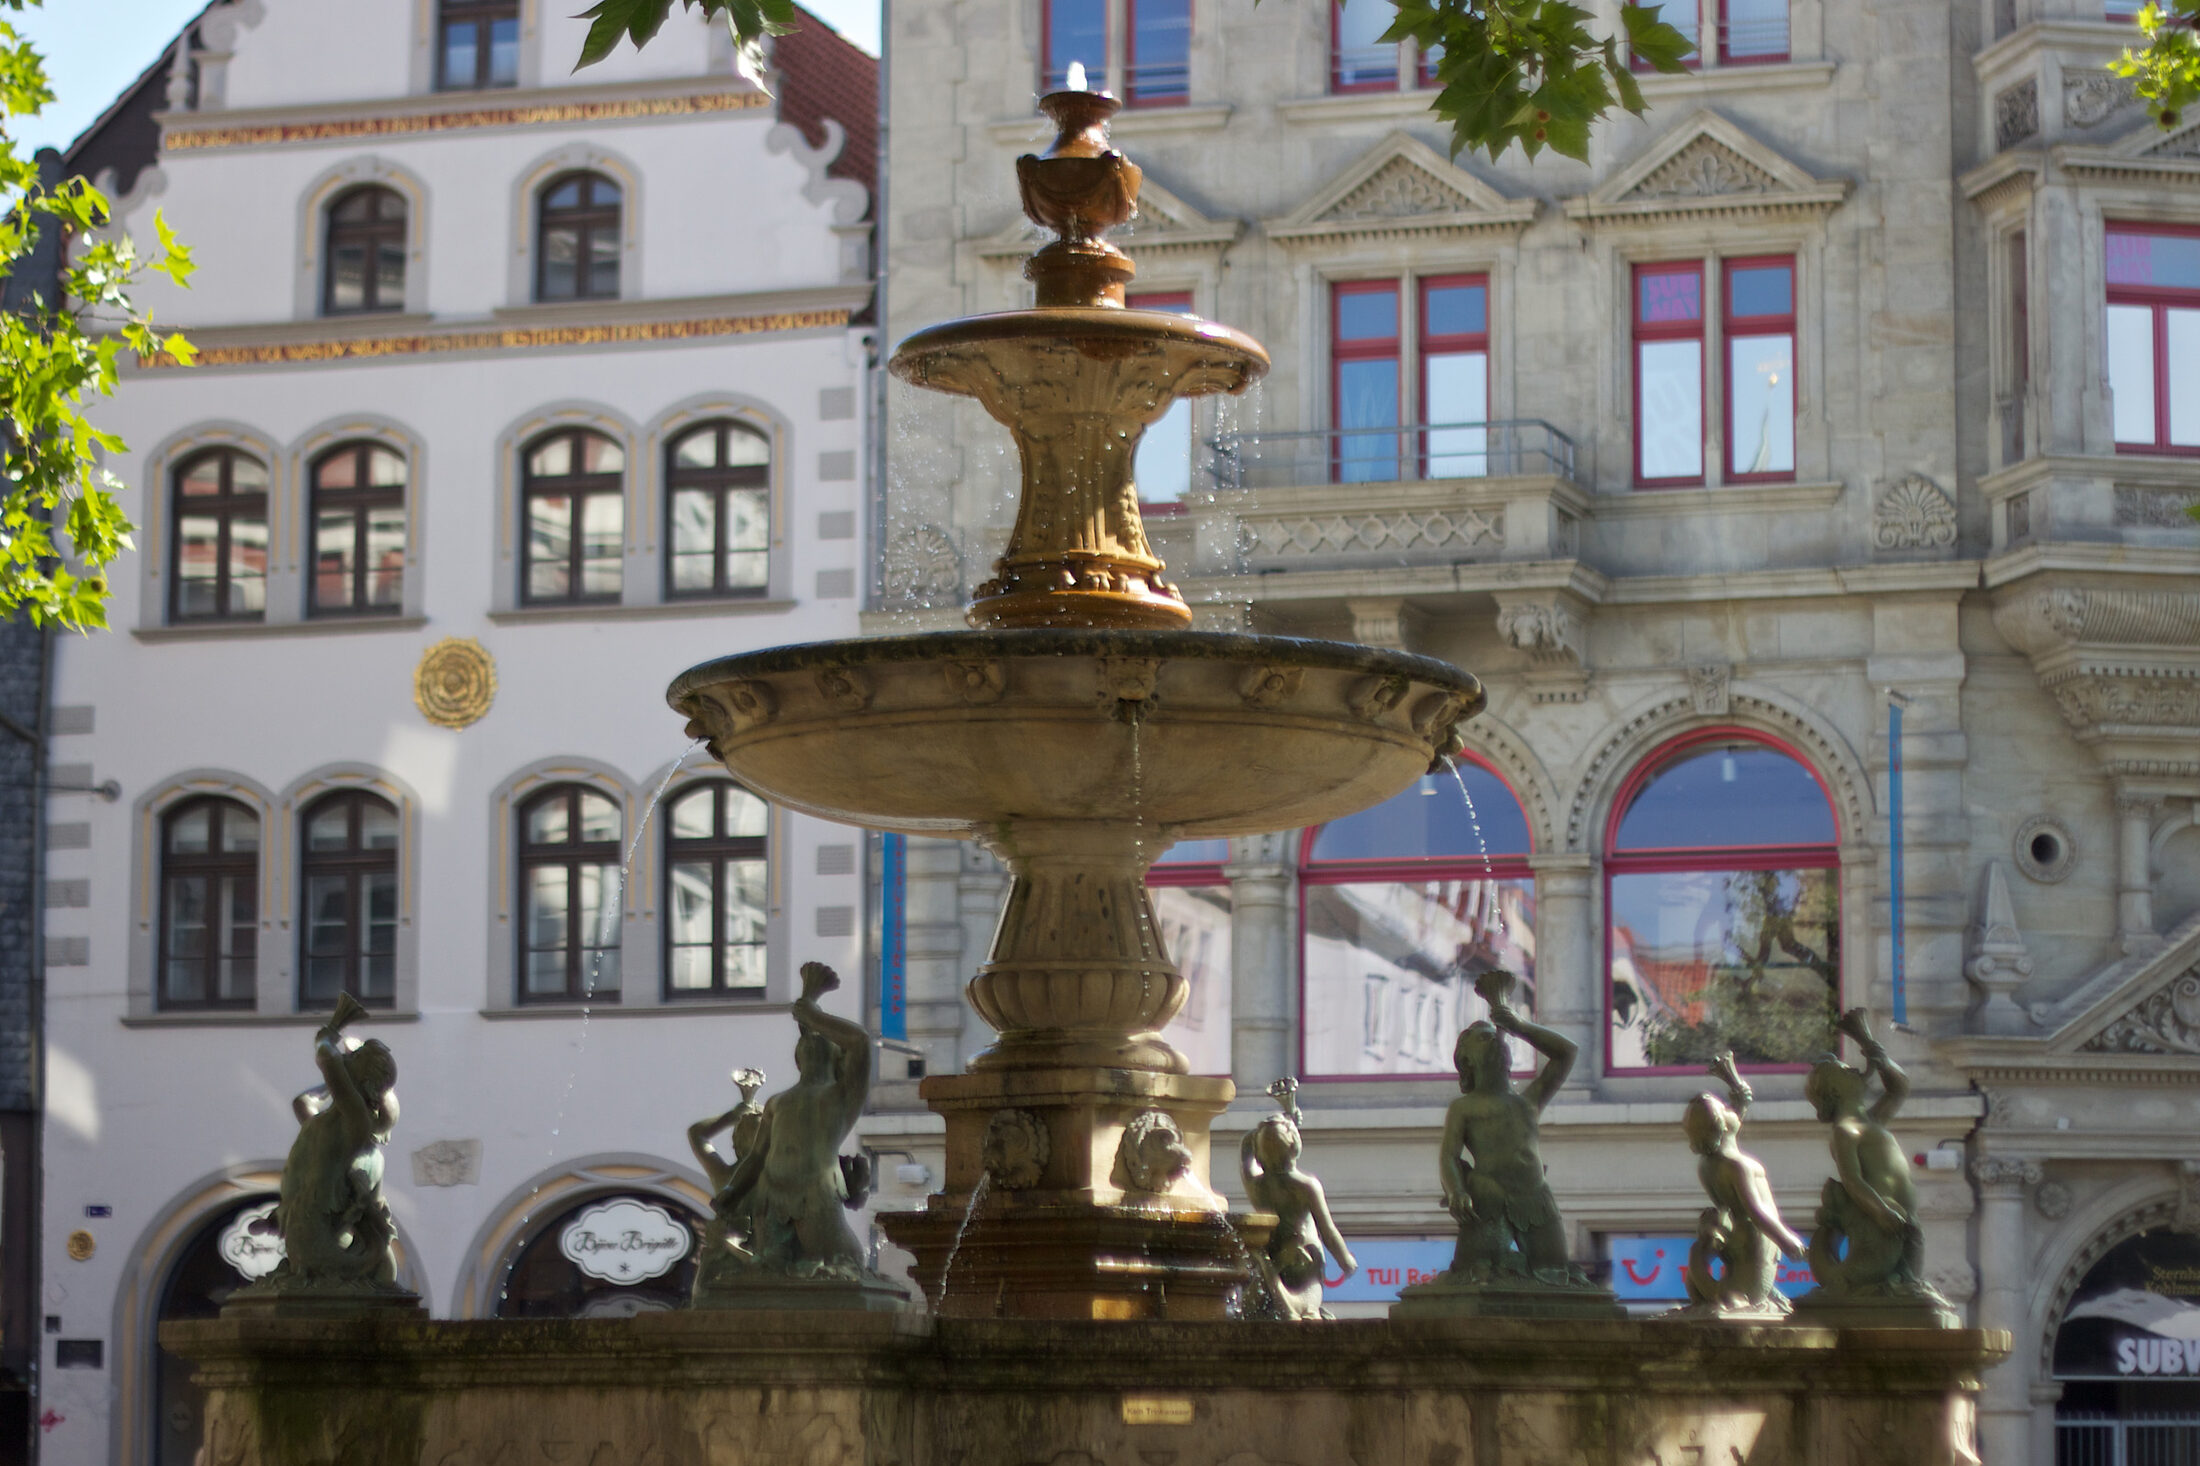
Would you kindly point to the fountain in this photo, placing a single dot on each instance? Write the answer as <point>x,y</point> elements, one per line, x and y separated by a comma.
<point>1082,1273</point>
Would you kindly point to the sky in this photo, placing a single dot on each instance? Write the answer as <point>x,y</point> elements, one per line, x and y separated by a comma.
<point>95,48</point>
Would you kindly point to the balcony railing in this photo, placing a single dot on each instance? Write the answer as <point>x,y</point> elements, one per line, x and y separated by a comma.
<point>1508,448</point>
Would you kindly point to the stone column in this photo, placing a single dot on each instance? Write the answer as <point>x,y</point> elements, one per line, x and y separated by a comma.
<point>936,960</point>
<point>2135,813</point>
<point>1569,958</point>
<point>1263,961</point>
<point>2005,1406</point>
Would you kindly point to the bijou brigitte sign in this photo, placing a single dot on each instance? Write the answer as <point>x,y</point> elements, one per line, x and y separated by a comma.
<point>2137,1314</point>
<point>625,1241</point>
<point>250,1243</point>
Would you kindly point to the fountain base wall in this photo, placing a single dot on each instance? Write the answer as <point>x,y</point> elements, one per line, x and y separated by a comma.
<point>756,1389</point>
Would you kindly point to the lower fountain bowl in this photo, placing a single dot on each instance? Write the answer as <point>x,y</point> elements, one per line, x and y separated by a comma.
<point>1189,734</point>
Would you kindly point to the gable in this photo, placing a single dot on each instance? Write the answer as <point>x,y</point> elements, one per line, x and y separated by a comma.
<point>1402,186</point>
<point>2147,1004</point>
<point>1707,165</point>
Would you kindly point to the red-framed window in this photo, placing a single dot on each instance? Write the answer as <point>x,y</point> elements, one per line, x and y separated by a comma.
<point>1157,65</point>
<point>1753,32</point>
<point>1191,909</point>
<point>1359,59</point>
<point>1445,378</point>
<point>1401,907</point>
<point>1684,16</point>
<point>1072,30</point>
<point>1669,373</point>
<point>1163,467</point>
<point>2154,337</point>
<point>1757,322</point>
<point>1722,903</point>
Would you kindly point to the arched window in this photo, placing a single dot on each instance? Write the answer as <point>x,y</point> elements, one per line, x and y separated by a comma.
<point>209,905</point>
<point>364,263</point>
<point>1403,906</point>
<point>609,1256</point>
<point>1722,907</point>
<point>717,892</point>
<point>220,543</point>
<point>477,44</point>
<point>1191,905</point>
<point>574,485</point>
<point>348,930</point>
<point>719,476</point>
<point>577,239</point>
<point>222,1257</point>
<point>358,531</point>
<point>569,889</point>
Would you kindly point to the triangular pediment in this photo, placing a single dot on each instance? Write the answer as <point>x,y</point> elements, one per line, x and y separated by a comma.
<point>2147,1004</point>
<point>1402,186</point>
<point>2144,154</point>
<point>1164,223</point>
<point>1707,165</point>
<point>2151,141</point>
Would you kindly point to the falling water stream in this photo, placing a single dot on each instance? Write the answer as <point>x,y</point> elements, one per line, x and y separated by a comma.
<point>947,1268</point>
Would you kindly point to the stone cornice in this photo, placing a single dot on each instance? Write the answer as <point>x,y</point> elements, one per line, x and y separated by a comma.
<point>2105,36</point>
<point>1723,500</point>
<point>592,106</point>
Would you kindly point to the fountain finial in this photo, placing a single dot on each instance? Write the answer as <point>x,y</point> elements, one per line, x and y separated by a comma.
<point>1079,188</point>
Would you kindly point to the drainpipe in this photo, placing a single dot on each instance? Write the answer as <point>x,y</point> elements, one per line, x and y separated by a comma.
<point>1896,702</point>
<point>876,529</point>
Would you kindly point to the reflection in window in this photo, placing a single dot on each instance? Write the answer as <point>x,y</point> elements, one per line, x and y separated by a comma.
<point>478,45</point>
<point>719,476</point>
<point>1074,31</point>
<point>1191,906</point>
<point>1752,32</point>
<point>349,925</point>
<point>574,484</point>
<point>1163,468</point>
<point>220,543</point>
<point>717,892</point>
<point>1669,418</point>
<point>1360,60</point>
<point>2154,337</point>
<point>358,530</point>
<point>1760,368</point>
<point>1158,67</point>
<point>577,241</point>
<point>1723,899</point>
<point>365,258</point>
<point>569,893</point>
<point>1405,905</point>
<point>209,905</point>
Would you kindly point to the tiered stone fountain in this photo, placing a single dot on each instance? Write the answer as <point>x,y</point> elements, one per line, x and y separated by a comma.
<point>1078,730</point>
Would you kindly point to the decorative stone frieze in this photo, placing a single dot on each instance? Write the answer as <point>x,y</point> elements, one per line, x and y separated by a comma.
<point>2155,508</point>
<point>1914,514</point>
<point>2092,97</point>
<point>2123,666</point>
<point>2165,1022</point>
<point>1465,528</point>
<point>2000,1172</point>
<point>2016,113</point>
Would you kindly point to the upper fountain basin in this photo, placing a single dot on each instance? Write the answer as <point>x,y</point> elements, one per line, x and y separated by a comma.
<point>1187,357</point>
<point>1195,734</point>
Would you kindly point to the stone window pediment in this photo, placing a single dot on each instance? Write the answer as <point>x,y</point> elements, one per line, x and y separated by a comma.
<point>1402,187</point>
<point>1708,167</point>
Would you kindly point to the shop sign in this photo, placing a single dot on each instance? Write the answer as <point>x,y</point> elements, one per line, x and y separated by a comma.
<point>1655,1270</point>
<point>1387,1264</point>
<point>250,1243</point>
<point>2137,1314</point>
<point>625,1241</point>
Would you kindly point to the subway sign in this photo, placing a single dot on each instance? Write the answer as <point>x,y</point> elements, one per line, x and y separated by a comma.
<point>2136,1316</point>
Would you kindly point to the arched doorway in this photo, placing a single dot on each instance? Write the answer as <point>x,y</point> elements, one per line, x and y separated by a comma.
<point>221,1257</point>
<point>2127,1351</point>
<point>610,1254</point>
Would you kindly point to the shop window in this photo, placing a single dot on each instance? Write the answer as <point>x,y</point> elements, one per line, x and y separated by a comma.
<point>569,896</point>
<point>577,239</point>
<point>2154,337</point>
<point>348,929</point>
<point>1163,469</point>
<point>1722,902</point>
<point>718,477</point>
<point>209,905</point>
<point>717,892</point>
<point>477,44</point>
<point>220,544</point>
<point>1439,375</point>
<point>358,531</point>
<point>1403,906</point>
<point>364,262</point>
<point>573,483</point>
<point>609,1256</point>
<point>1191,905</point>
<point>222,1256</point>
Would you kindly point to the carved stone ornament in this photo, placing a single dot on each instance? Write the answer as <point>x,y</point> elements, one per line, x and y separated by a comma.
<point>2016,113</point>
<point>1999,961</point>
<point>2052,1200</point>
<point>1914,514</point>
<point>2092,97</point>
<point>2089,700</point>
<point>1151,1154</point>
<point>1128,679</point>
<point>2167,1022</point>
<point>447,1163</point>
<point>455,682</point>
<point>1015,1149</point>
<point>1399,190</point>
<point>845,689</point>
<point>1374,696</point>
<point>1708,688</point>
<point>1703,169</point>
<point>1548,631</point>
<point>977,682</point>
<point>748,704</point>
<point>1264,687</point>
<point>1291,536</point>
<point>2003,1171</point>
<point>2155,508</point>
<point>923,566</point>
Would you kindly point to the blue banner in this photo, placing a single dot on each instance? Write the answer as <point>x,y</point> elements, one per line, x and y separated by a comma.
<point>893,946</point>
<point>1654,1270</point>
<point>1386,1265</point>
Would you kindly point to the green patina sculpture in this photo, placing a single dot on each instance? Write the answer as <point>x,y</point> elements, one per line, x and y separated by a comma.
<point>1291,1263</point>
<point>723,1235</point>
<point>335,1225</point>
<point>1867,1248</point>
<point>1741,1230</point>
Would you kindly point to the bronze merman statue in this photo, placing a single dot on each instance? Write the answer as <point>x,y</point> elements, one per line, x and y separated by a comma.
<point>1741,1230</point>
<point>336,1228</point>
<point>1867,1249</point>
<point>1291,1262</point>
<point>1511,1257</point>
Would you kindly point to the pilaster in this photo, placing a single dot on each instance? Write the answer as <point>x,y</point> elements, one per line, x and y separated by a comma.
<point>2005,1407</point>
<point>1568,967</point>
<point>1262,961</point>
